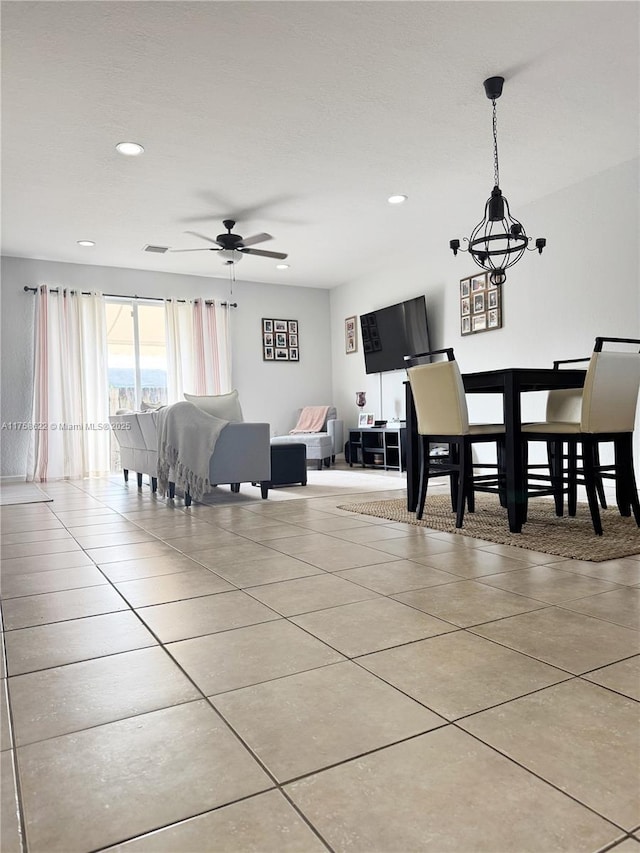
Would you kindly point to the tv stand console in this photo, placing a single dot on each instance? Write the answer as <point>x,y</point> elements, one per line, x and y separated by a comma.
<point>378,447</point>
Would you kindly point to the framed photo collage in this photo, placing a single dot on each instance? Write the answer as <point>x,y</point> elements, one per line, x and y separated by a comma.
<point>280,340</point>
<point>480,305</point>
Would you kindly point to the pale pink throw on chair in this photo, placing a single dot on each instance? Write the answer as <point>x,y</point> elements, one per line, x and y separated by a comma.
<point>312,419</point>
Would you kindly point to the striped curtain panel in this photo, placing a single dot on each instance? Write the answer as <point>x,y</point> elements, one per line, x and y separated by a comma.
<point>71,394</point>
<point>198,348</point>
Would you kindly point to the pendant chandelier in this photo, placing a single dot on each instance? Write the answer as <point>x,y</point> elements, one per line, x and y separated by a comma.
<point>499,241</point>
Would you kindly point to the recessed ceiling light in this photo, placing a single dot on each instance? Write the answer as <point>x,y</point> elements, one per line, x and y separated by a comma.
<point>397,199</point>
<point>85,243</point>
<point>131,149</point>
<point>282,266</point>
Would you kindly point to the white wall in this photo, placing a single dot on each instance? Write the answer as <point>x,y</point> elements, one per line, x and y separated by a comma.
<point>269,391</point>
<point>585,284</point>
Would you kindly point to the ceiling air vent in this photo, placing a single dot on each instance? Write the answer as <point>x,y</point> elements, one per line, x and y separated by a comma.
<point>159,250</point>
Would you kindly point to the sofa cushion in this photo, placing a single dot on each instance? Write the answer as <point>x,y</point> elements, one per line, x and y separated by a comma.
<point>224,406</point>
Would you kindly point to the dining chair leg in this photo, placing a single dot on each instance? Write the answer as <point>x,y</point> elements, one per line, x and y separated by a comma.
<point>524,452</point>
<point>554,452</point>
<point>424,476</point>
<point>454,456</point>
<point>464,454</point>
<point>572,473</point>
<point>588,466</point>
<point>626,488</point>
<point>599,483</point>
<point>468,480</point>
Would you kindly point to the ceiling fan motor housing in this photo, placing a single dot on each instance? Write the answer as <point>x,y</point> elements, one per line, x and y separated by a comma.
<point>229,240</point>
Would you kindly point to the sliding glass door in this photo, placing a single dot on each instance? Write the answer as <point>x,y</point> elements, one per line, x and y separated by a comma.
<point>137,354</point>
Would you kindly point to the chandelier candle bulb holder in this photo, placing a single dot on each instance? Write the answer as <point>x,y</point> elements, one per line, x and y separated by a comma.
<point>499,240</point>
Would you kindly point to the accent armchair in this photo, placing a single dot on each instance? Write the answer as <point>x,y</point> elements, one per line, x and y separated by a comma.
<point>321,446</point>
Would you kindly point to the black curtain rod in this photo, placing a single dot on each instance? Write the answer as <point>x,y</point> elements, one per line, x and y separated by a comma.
<point>121,296</point>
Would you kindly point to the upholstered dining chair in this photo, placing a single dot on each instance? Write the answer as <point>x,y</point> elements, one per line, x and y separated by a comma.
<point>607,414</point>
<point>564,404</point>
<point>442,415</point>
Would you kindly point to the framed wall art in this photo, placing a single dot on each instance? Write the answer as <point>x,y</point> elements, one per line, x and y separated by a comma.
<point>280,340</point>
<point>480,305</point>
<point>350,335</point>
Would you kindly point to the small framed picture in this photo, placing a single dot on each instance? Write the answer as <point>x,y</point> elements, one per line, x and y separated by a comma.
<point>279,325</point>
<point>281,339</point>
<point>292,327</point>
<point>465,306</point>
<point>293,340</point>
<point>464,287</point>
<point>493,319</point>
<point>267,353</point>
<point>282,355</point>
<point>365,419</point>
<point>267,326</point>
<point>268,340</point>
<point>478,323</point>
<point>478,303</point>
<point>293,354</point>
<point>350,335</point>
<point>478,282</point>
<point>465,325</point>
<point>492,298</point>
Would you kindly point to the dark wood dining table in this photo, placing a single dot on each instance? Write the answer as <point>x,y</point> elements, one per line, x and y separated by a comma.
<point>511,382</point>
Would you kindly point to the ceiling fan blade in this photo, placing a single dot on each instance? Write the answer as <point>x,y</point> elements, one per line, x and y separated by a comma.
<point>203,237</point>
<point>194,250</point>
<point>279,255</point>
<point>257,238</point>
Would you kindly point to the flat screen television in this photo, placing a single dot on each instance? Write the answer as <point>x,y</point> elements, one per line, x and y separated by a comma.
<point>389,334</point>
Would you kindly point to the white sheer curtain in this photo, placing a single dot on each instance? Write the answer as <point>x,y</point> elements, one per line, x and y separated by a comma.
<point>70,409</point>
<point>198,348</point>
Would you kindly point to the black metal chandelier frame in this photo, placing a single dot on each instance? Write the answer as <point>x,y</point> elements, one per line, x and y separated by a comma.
<point>499,240</point>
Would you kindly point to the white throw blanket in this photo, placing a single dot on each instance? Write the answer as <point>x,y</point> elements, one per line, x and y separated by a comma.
<point>186,440</point>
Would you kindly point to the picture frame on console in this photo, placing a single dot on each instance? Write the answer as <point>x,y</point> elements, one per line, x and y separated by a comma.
<point>366,419</point>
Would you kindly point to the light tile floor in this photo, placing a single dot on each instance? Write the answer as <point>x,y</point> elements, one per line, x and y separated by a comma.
<point>285,676</point>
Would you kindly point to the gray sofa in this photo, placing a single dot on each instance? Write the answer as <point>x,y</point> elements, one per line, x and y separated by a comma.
<point>242,453</point>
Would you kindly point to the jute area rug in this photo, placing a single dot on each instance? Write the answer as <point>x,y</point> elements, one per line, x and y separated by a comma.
<point>572,538</point>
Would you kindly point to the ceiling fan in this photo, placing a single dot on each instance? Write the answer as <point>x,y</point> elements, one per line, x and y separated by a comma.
<point>233,246</point>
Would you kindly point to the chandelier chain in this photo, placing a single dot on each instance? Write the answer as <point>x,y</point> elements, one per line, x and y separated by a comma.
<point>496,171</point>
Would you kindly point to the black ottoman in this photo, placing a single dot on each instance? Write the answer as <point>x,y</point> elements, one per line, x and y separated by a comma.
<point>288,464</point>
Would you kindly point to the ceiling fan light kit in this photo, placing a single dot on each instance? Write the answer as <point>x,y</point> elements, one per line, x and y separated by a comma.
<point>232,246</point>
<point>499,240</point>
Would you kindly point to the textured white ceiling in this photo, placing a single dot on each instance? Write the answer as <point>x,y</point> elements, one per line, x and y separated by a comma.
<point>299,119</point>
